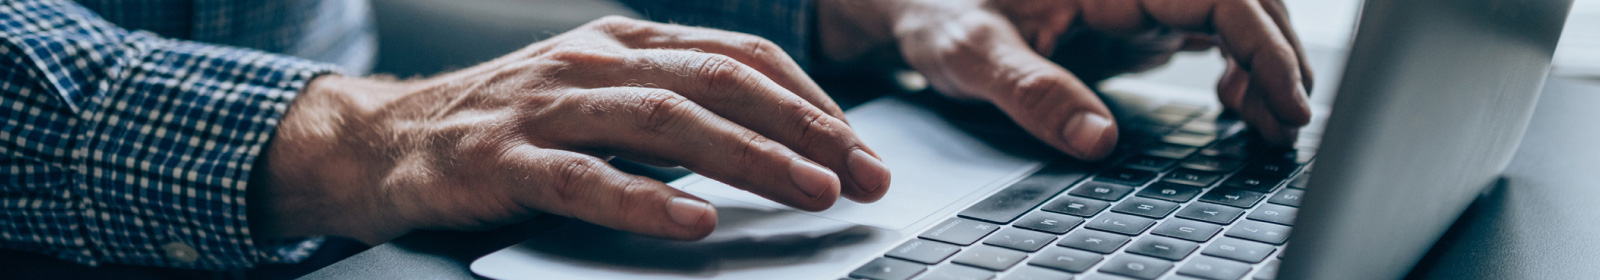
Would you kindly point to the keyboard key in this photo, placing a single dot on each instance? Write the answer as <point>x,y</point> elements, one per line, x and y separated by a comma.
<point>1300,181</point>
<point>1167,119</point>
<point>888,269</point>
<point>1136,267</point>
<point>1125,176</point>
<point>1275,168</point>
<point>1036,273</point>
<point>1064,259</point>
<point>1048,222</point>
<point>1259,231</point>
<point>1200,127</point>
<point>1162,247</point>
<point>1146,207</point>
<point>1214,269</point>
<point>1212,163</point>
<point>1020,239</point>
<point>991,258</point>
<point>1192,177</point>
<point>1239,250</point>
<point>1094,241</point>
<point>1273,213</point>
<point>1101,191</point>
<point>1268,272</point>
<point>1290,197</point>
<point>1186,230</point>
<point>1018,198</point>
<point>1236,147</point>
<point>1251,182</point>
<point>1119,223</point>
<point>1076,206</point>
<point>960,231</point>
<point>1148,163</point>
<point>1208,212</point>
<point>1232,197</point>
<point>1169,151</point>
<point>1189,139</point>
<point>1180,109</point>
<point>957,272</point>
<point>1170,192</point>
<point>924,251</point>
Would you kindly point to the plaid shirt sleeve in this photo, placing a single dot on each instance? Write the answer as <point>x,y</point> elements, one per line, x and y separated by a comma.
<point>125,147</point>
<point>788,23</point>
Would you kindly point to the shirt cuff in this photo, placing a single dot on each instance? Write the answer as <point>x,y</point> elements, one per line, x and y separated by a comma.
<point>167,151</point>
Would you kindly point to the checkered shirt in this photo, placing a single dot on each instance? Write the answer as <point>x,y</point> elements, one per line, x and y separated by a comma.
<point>126,147</point>
<point>135,147</point>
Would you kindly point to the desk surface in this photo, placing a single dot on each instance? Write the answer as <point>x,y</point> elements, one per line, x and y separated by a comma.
<point>1544,223</point>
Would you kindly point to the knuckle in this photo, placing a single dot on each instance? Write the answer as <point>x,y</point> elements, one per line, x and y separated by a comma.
<point>721,73</point>
<point>816,128</point>
<point>662,110</point>
<point>623,27</point>
<point>1031,91</point>
<point>581,56</point>
<point>751,146</point>
<point>632,196</point>
<point>612,23</point>
<point>570,172</point>
<point>761,47</point>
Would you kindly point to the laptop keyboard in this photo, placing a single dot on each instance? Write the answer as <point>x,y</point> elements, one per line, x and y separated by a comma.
<point>1185,205</point>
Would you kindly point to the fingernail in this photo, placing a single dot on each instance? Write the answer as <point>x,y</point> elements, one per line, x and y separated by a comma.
<point>1086,133</point>
<point>870,173</point>
<point>687,212</point>
<point>811,178</point>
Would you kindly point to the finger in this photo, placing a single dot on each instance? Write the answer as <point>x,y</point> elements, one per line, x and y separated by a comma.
<point>1248,33</point>
<point>1231,87</point>
<point>1280,15</point>
<point>661,126</point>
<point>1255,112</point>
<point>739,93</point>
<point>1198,42</point>
<point>584,187</point>
<point>990,60</point>
<point>756,52</point>
<point>1234,90</point>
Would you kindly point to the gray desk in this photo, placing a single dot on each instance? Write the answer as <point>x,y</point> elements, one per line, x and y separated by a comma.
<point>1544,223</point>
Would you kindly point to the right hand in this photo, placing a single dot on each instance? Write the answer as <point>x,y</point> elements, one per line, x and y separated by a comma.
<point>530,132</point>
<point>1001,51</point>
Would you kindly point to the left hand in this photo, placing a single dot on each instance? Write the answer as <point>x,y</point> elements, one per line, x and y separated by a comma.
<point>1001,51</point>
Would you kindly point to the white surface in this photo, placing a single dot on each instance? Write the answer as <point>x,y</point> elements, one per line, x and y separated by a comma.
<point>938,170</point>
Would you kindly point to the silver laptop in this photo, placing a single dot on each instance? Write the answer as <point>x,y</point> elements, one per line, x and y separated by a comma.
<point>1432,103</point>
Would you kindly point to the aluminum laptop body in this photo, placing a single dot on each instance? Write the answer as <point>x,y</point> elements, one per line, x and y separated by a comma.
<point>1433,101</point>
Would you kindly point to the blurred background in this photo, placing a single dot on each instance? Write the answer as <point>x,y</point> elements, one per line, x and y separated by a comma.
<point>424,37</point>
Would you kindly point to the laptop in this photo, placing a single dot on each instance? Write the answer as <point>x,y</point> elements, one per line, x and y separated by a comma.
<point>1433,100</point>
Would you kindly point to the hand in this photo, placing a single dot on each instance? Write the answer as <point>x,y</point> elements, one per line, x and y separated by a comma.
<point>999,51</point>
<point>530,132</point>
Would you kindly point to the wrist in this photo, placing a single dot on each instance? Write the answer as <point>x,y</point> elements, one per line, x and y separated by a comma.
<point>320,174</point>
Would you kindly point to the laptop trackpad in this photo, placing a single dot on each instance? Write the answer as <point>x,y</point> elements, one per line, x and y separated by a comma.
<point>936,167</point>
<point>750,241</point>
<point>933,164</point>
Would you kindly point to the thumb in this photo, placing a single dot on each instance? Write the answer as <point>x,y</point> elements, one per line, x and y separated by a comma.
<point>991,61</point>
